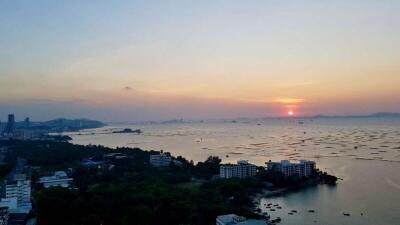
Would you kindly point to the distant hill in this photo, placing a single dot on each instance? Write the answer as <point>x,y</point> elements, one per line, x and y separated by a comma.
<point>374,115</point>
<point>61,125</point>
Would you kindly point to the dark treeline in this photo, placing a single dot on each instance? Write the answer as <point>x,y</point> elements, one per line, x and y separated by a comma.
<point>132,192</point>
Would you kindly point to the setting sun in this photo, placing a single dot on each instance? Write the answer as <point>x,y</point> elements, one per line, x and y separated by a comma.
<point>290,113</point>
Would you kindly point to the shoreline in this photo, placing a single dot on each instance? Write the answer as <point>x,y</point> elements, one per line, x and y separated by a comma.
<point>265,193</point>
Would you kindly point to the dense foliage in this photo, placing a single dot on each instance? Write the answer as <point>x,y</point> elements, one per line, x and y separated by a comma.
<point>132,192</point>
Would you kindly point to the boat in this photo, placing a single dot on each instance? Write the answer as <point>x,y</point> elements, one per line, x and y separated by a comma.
<point>294,211</point>
<point>272,210</point>
<point>346,214</point>
<point>279,207</point>
<point>311,211</point>
<point>290,213</point>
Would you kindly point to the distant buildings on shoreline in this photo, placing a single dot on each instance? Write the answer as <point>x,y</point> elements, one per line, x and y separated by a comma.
<point>304,168</point>
<point>242,169</point>
<point>10,125</point>
<point>27,130</point>
<point>10,130</point>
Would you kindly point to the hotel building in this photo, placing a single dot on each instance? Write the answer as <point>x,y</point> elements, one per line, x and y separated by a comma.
<point>304,168</point>
<point>242,169</point>
<point>17,194</point>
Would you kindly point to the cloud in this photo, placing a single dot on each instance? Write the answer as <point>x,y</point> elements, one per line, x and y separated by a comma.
<point>302,84</point>
<point>288,101</point>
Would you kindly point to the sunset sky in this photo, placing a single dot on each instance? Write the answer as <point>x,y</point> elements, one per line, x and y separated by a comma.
<point>156,60</point>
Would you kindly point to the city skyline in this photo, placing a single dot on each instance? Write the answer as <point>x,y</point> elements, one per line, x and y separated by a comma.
<point>138,61</point>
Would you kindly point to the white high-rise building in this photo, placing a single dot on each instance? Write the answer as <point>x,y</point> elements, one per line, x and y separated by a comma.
<point>304,168</point>
<point>242,169</point>
<point>17,194</point>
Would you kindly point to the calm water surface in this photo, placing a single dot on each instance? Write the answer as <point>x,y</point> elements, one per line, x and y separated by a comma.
<point>365,153</point>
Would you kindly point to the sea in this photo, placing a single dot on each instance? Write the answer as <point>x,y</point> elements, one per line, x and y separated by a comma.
<point>363,152</point>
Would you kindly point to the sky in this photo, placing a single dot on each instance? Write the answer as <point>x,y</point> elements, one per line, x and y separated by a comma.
<point>159,60</point>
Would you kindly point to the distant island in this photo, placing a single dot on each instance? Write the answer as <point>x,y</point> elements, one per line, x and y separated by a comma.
<point>128,131</point>
<point>374,115</point>
<point>321,116</point>
<point>60,125</point>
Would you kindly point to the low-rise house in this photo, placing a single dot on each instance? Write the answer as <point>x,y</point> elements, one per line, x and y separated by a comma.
<point>233,219</point>
<point>115,156</point>
<point>92,163</point>
<point>304,168</point>
<point>242,169</point>
<point>59,179</point>
<point>163,159</point>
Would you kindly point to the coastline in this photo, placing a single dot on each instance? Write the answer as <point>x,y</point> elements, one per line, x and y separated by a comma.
<point>267,193</point>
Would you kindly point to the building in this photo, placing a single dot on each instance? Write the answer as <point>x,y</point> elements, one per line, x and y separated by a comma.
<point>27,122</point>
<point>232,219</point>
<point>163,159</point>
<point>242,169</point>
<point>4,215</point>
<point>302,169</point>
<point>115,157</point>
<point>10,203</point>
<point>10,126</point>
<point>59,179</point>
<point>22,134</point>
<point>17,194</point>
